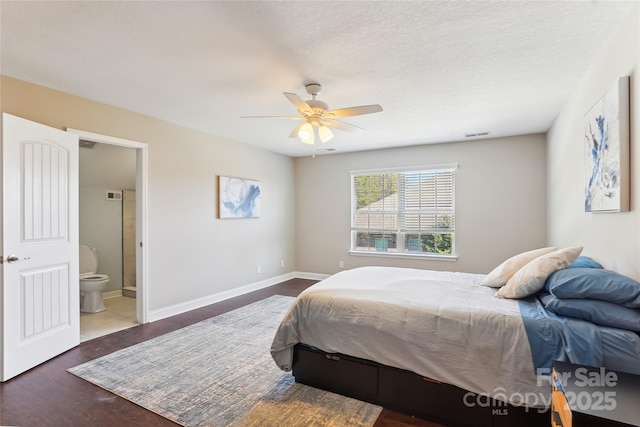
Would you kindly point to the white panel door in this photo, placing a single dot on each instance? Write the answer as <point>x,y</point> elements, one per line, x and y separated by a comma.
<point>40,295</point>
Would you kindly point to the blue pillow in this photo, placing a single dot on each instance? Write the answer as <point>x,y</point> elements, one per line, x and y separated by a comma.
<point>599,312</point>
<point>584,262</point>
<point>594,283</point>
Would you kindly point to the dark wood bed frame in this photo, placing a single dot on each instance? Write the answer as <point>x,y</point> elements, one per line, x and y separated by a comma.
<point>407,392</point>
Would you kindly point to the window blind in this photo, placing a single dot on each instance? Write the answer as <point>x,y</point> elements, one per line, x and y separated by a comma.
<point>407,211</point>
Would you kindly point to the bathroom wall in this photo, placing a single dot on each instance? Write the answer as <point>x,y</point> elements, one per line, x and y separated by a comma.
<point>105,168</point>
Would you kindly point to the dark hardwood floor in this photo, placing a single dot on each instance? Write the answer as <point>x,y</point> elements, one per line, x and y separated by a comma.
<point>48,395</point>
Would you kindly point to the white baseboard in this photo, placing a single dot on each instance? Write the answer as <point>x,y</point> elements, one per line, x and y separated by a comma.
<point>183,307</point>
<point>312,276</point>
<point>112,294</point>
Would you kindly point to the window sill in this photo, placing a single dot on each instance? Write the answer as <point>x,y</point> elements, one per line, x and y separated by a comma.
<point>405,256</point>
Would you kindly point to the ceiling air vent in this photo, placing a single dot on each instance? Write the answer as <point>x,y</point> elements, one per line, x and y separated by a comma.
<point>114,195</point>
<point>477,134</point>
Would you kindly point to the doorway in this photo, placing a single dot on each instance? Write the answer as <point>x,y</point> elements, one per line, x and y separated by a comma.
<point>134,221</point>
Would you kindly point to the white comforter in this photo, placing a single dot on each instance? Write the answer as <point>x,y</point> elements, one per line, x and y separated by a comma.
<point>442,325</point>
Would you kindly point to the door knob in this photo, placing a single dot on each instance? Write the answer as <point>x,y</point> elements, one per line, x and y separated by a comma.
<point>13,258</point>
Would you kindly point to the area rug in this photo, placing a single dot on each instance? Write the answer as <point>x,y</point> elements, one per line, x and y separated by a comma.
<point>219,372</point>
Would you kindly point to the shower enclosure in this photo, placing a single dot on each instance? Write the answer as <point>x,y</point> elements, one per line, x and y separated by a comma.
<point>129,243</point>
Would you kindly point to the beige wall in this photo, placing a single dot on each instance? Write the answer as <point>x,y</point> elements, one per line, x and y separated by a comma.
<point>611,238</point>
<point>192,254</point>
<point>500,202</point>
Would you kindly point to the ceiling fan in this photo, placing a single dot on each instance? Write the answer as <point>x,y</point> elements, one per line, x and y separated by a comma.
<point>317,118</point>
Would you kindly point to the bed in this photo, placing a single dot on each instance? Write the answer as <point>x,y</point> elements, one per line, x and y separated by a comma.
<point>438,345</point>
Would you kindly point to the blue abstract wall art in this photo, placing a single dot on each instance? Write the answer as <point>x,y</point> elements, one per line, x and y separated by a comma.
<point>606,151</point>
<point>238,198</point>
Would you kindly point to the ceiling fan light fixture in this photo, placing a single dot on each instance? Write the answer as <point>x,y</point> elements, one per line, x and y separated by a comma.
<point>314,113</point>
<point>324,133</point>
<point>306,133</point>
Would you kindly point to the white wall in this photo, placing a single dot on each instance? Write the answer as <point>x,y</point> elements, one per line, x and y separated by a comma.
<point>500,202</point>
<point>108,166</point>
<point>611,238</point>
<point>101,227</point>
<point>192,254</point>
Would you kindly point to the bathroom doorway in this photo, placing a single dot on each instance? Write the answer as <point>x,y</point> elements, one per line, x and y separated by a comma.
<point>112,180</point>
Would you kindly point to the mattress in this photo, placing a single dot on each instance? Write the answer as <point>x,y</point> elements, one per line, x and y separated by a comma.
<point>446,326</point>
<point>441,325</point>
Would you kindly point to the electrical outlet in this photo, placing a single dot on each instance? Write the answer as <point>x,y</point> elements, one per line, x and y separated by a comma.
<point>340,264</point>
<point>282,263</point>
<point>258,270</point>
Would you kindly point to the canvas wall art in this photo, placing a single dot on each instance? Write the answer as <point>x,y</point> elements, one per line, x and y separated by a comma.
<point>238,198</point>
<point>606,151</point>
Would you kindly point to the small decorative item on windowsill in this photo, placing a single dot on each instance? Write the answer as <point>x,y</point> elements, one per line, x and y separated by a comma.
<point>238,198</point>
<point>606,139</point>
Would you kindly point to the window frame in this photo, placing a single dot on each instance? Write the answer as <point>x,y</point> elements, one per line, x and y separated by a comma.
<point>400,234</point>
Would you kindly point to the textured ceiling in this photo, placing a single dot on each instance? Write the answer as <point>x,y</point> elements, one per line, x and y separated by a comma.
<point>439,69</point>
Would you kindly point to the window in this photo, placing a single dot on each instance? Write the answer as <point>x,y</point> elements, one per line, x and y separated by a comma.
<point>404,212</point>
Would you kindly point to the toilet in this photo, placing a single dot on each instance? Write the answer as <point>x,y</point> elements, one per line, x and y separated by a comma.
<point>91,284</point>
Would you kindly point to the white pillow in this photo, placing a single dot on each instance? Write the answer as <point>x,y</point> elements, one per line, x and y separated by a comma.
<point>530,278</point>
<point>502,273</point>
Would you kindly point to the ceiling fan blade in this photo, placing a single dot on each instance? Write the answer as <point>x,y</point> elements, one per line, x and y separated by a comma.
<point>353,111</point>
<point>298,102</point>
<point>339,124</point>
<point>273,117</point>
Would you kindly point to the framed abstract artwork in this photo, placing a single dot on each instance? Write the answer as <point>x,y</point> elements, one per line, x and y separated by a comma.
<point>606,151</point>
<point>238,198</point>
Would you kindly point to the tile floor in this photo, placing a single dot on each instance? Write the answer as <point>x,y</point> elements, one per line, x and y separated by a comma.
<point>120,314</point>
